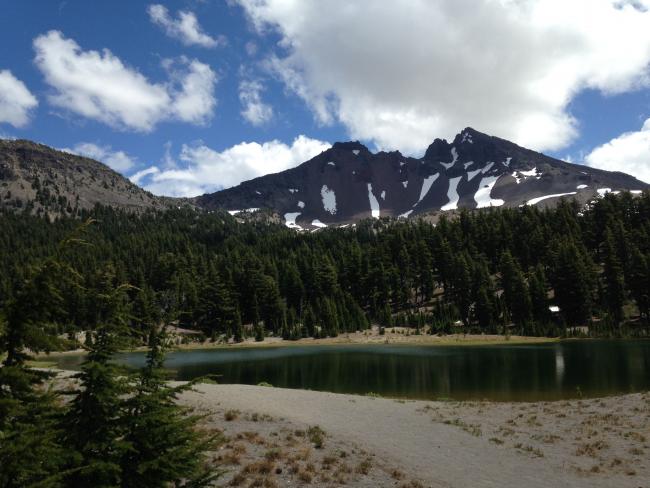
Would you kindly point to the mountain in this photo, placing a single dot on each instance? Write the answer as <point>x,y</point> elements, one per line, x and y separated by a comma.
<point>348,182</point>
<point>57,183</point>
<point>340,186</point>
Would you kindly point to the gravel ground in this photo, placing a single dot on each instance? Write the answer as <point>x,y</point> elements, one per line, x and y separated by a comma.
<point>371,441</point>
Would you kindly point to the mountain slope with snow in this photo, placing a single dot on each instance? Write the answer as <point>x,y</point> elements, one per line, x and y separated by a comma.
<point>348,182</point>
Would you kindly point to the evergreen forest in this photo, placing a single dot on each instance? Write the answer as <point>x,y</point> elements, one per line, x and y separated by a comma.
<point>514,271</point>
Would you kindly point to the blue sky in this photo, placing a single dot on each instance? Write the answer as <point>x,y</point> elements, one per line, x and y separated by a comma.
<point>193,95</point>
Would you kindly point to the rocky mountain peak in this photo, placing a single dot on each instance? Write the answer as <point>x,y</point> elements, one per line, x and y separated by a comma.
<point>348,182</point>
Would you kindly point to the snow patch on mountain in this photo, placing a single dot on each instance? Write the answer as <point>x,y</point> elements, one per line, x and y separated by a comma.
<point>534,201</point>
<point>482,196</point>
<point>405,215</point>
<point>487,167</point>
<point>318,223</point>
<point>523,175</point>
<point>581,187</point>
<point>452,194</point>
<point>604,191</point>
<point>405,183</point>
<point>467,137</point>
<point>301,204</point>
<point>454,156</point>
<point>472,174</point>
<point>355,152</point>
<point>290,220</point>
<point>374,203</point>
<point>383,195</point>
<point>248,210</point>
<point>329,199</point>
<point>426,186</point>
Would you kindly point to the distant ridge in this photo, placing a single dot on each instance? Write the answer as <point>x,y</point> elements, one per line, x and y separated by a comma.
<point>52,182</point>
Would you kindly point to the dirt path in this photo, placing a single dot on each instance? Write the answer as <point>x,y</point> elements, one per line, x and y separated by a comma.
<point>591,443</point>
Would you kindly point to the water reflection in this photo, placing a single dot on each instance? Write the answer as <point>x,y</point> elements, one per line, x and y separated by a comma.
<point>559,365</point>
<point>526,372</point>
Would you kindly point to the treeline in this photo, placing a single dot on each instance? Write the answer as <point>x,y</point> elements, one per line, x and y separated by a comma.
<point>117,429</point>
<point>491,271</point>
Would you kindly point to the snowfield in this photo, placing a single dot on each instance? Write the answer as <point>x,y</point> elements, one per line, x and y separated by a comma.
<point>534,201</point>
<point>426,186</point>
<point>482,196</point>
<point>452,194</point>
<point>329,199</point>
<point>374,203</point>
<point>290,220</point>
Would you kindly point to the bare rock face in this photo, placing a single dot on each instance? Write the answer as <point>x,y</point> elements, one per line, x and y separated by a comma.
<point>347,182</point>
<point>46,181</point>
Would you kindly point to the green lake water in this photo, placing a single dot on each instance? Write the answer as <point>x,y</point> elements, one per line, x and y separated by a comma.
<point>549,371</point>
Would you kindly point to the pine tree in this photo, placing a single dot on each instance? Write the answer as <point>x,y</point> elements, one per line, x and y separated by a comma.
<point>165,446</point>
<point>386,318</point>
<point>639,282</point>
<point>308,321</point>
<point>144,308</point>
<point>94,424</point>
<point>614,280</point>
<point>259,332</point>
<point>461,283</point>
<point>30,449</point>
<point>237,327</point>
<point>572,284</point>
<point>538,295</point>
<point>516,292</point>
<point>483,294</point>
<point>484,310</point>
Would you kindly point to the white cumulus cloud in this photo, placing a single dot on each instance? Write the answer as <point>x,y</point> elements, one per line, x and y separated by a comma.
<point>629,153</point>
<point>16,101</point>
<point>97,85</point>
<point>185,27</point>
<point>401,72</point>
<point>118,160</point>
<point>137,177</point>
<point>206,170</point>
<point>194,101</point>
<point>254,110</point>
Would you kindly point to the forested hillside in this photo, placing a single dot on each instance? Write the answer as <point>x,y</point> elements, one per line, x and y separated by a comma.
<point>485,269</point>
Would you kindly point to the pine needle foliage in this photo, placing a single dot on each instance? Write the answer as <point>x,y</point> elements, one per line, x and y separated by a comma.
<point>165,445</point>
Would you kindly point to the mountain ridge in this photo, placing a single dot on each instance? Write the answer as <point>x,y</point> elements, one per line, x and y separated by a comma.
<point>348,182</point>
<point>339,186</point>
<point>48,181</point>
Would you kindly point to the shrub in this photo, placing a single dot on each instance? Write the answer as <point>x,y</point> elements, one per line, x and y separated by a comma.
<point>316,436</point>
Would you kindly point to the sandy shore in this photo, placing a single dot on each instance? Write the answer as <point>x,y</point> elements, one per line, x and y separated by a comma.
<point>400,336</point>
<point>384,442</point>
<point>397,335</point>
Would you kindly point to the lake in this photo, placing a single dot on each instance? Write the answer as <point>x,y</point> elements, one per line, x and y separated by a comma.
<point>547,371</point>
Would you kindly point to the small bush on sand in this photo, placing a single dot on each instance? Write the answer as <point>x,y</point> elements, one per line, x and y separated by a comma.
<point>364,466</point>
<point>316,436</point>
<point>231,415</point>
